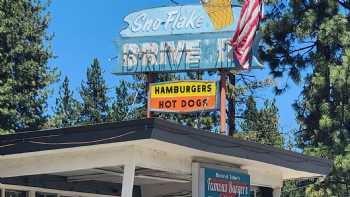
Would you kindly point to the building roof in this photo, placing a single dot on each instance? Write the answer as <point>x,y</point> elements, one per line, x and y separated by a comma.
<point>160,130</point>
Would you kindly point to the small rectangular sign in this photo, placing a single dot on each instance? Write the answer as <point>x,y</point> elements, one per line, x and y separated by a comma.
<point>183,96</point>
<point>222,183</point>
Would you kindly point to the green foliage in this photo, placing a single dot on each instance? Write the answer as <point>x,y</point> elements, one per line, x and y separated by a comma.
<point>312,38</point>
<point>24,73</point>
<point>294,188</point>
<point>123,108</point>
<point>67,108</point>
<point>93,92</point>
<point>261,125</point>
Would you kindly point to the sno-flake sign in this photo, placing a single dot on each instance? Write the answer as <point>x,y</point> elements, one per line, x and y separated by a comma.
<point>175,39</point>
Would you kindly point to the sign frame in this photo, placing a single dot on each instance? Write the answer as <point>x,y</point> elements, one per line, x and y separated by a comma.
<point>198,188</point>
<point>217,97</point>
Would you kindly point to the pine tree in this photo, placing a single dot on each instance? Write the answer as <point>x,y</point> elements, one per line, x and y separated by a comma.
<point>123,107</point>
<point>94,95</point>
<point>67,108</point>
<point>261,125</point>
<point>24,73</point>
<point>312,38</point>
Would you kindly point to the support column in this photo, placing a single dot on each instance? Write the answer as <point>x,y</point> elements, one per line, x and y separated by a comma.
<point>223,115</point>
<point>232,107</point>
<point>277,192</point>
<point>128,180</point>
<point>149,80</point>
<point>2,187</point>
<point>195,180</point>
<point>31,193</point>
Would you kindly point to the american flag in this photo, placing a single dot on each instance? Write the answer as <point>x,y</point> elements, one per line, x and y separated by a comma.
<point>248,24</point>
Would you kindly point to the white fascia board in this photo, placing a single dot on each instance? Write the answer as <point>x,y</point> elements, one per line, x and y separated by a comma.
<point>97,156</point>
<point>255,167</point>
<point>65,160</point>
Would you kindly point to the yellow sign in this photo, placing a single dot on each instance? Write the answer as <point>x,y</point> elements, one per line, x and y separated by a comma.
<point>183,96</point>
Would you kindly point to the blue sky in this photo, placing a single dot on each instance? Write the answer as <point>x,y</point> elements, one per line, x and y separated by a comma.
<point>85,29</point>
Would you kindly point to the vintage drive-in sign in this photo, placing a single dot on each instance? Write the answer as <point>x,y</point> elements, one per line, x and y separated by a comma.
<point>220,183</point>
<point>183,96</point>
<point>173,20</point>
<point>175,39</point>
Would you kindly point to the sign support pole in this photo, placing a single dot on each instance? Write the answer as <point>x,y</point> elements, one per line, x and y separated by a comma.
<point>149,80</point>
<point>223,115</point>
<point>232,106</point>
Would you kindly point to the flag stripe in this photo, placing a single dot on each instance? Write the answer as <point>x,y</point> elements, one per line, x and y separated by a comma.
<point>242,15</point>
<point>245,12</point>
<point>247,26</point>
<point>250,23</point>
<point>247,50</point>
<point>251,33</point>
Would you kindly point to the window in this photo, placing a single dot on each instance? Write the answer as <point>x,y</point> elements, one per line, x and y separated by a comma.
<point>264,192</point>
<point>15,193</point>
<point>42,194</point>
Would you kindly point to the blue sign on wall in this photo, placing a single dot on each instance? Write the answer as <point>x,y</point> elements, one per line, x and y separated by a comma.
<point>175,39</point>
<point>220,183</point>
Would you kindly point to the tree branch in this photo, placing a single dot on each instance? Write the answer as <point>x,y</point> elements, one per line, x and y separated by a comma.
<point>344,4</point>
<point>303,48</point>
<point>174,2</point>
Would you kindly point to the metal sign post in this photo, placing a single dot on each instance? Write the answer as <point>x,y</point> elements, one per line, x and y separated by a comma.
<point>223,115</point>
<point>232,106</point>
<point>150,78</point>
